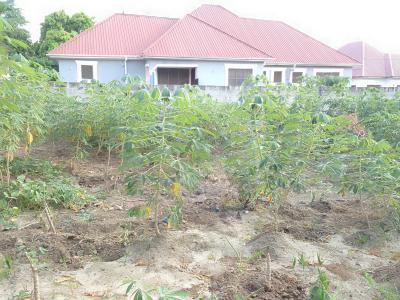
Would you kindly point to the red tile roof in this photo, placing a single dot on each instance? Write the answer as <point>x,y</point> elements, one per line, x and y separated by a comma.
<point>181,40</point>
<point>210,31</point>
<point>395,59</point>
<point>374,62</point>
<point>279,40</point>
<point>120,34</point>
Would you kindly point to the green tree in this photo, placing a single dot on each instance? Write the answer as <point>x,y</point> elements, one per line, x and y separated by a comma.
<point>15,21</point>
<point>59,27</point>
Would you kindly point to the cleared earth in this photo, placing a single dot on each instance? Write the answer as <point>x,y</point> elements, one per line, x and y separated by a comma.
<point>219,250</point>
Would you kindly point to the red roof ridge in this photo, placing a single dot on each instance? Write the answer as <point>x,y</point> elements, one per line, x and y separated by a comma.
<point>163,35</point>
<point>220,6</point>
<point>318,41</point>
<point>209,25</point>
<point>82,33</point>
<point>228,34</point>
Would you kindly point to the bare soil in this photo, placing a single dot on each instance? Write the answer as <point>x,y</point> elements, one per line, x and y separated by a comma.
<point>219,250</point>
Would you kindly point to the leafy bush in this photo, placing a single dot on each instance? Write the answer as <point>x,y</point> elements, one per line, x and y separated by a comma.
<point>33,168</point>
<point>31,194</point>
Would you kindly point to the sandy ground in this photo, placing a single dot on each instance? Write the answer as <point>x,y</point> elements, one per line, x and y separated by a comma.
<point>219,250</point>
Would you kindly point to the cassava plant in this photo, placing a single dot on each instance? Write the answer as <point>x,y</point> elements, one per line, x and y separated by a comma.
<point>24,93</point>
<point>164,147</point>
<point>276,145</point>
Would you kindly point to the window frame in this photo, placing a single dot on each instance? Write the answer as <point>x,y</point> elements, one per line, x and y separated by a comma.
<point>303,72</point>
<point>80,63</point>
<point>253,67</point>
<point>270,73</point>
<point>236,77</point>
<point>273,77</point>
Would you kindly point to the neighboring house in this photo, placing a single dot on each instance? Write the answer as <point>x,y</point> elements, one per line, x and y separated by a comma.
<point>377,69</point>
<point>209,47</point>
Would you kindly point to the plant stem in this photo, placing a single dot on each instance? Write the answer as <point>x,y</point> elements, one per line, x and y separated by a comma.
<point>35,277</point>
<point>8,173</point>
<point>269,271</point>
<point>48,216</point>
<point>158,233</point>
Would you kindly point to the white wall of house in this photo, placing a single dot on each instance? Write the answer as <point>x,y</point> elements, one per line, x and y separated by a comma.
<point>381,82</point>
<point>287,71</point>
<point>105,70</point>
<point>208,73</point>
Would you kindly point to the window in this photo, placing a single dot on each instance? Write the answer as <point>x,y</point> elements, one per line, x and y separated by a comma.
<point>325,74</point>
<point>237,76</point>
<point>173,76</point>
<point>278,76</point>
<point>296,77</point>
<point>87,72</point>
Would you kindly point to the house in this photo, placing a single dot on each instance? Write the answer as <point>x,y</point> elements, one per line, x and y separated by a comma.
<point>210,46</point>
<point>377,69</point>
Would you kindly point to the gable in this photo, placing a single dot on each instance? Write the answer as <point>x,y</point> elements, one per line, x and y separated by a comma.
<point>190,37</point>
<point>277,39</point>
<point>374,62</point>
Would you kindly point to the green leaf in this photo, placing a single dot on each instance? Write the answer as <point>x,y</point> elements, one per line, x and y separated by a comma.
<point>156,94</point>
<point>165,93</point>
<point>140,211</point>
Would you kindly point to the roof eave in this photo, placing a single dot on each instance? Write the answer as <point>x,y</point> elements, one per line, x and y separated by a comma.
<point>110,57</point>
<point>254,59</point>
<point>80,56</point>
<point>343,65</point>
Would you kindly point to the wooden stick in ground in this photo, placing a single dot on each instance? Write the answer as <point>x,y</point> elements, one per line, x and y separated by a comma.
<point>269,271</point>
<point>48,216</point>
<point>35,276</point>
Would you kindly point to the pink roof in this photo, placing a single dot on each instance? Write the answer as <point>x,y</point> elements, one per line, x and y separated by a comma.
<point>120,34</point>
<point>210,31</point>
<point>374,62</point>
<point>206,42</point>
<point>279,40</point>
<point>395,59</point>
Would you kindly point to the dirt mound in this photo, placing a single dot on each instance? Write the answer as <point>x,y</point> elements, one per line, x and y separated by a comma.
<point>76,242</point>
<point>388,274</point>
<point>306,223</point>
<point>252,283</point>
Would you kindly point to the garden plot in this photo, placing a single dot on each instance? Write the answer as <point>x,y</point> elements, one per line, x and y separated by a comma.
<point>220,249</point>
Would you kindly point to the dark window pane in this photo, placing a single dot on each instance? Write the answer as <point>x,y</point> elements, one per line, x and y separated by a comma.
<point>173,76</point>
<point>237,76</point>
<point>87,71</point>
<point>296,77</point>
<point>277,76</point>
<point>323,74</point>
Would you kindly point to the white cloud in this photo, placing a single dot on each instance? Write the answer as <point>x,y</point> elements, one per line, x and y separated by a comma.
<point>332,22</point>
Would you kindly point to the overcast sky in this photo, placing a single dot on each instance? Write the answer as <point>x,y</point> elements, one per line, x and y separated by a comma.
<point>333,22</point>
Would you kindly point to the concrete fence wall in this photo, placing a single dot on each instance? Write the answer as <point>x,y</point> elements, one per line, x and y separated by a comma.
<point>222,93</point>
